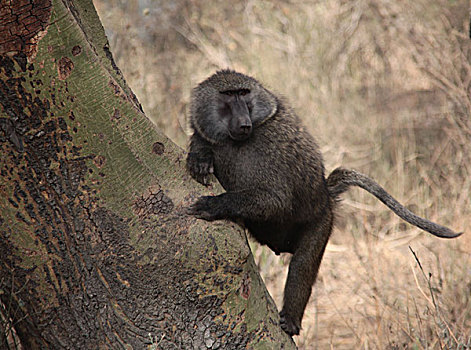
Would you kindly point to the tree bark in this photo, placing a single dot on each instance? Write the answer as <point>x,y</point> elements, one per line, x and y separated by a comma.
<point>95,248</point>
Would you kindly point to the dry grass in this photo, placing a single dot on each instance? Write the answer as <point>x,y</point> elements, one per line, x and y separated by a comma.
<point>385,87</point>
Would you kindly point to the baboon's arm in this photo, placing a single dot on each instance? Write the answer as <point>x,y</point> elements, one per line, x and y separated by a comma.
<point>253,204</point>
<point>200,159</point>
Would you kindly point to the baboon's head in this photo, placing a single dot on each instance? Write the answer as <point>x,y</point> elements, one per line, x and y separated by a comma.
<point>229,105</point>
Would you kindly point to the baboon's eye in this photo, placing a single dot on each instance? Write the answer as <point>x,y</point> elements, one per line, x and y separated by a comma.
<point>227,92</point>
<point>241,92</point>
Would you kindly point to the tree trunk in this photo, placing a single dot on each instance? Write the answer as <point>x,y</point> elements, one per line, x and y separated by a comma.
<point>95,248</point>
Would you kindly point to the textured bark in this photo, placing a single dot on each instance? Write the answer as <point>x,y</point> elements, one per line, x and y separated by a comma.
<point>95,250</point>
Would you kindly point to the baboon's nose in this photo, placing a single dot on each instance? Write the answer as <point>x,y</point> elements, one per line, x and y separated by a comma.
<point>246,129</point>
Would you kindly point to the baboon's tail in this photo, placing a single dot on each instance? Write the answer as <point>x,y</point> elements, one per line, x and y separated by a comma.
<point>341,179</point>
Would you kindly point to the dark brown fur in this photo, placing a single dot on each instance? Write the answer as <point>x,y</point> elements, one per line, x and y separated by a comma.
<point>274,176</point>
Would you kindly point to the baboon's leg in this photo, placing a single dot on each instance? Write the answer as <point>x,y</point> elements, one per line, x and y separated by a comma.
<point>302,274</point>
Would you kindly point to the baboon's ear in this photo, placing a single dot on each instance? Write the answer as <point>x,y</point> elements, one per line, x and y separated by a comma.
<point>264,106</point>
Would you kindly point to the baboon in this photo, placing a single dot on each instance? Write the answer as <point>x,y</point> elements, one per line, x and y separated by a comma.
<point>273,174</point>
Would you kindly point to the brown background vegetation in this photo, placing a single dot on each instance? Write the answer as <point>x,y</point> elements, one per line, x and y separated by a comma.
<point>385,88</point>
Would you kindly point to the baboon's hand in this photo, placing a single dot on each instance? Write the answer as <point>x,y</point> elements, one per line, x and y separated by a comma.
<point>200,168</point>
<point>205,208</point>
<point>288,324</point>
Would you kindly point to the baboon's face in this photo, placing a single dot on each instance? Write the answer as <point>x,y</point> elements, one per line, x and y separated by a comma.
<point>229,106</point>
<point>235,107</point>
